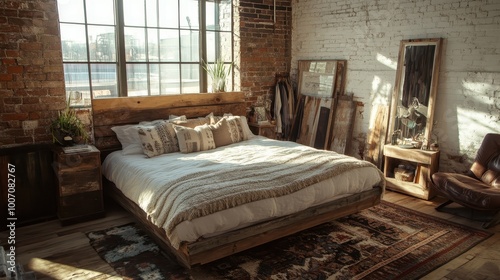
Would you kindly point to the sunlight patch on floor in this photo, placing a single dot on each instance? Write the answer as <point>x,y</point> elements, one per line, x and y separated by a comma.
<point>45,268</point>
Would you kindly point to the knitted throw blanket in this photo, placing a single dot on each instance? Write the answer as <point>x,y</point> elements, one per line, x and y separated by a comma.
<point>243,174</point>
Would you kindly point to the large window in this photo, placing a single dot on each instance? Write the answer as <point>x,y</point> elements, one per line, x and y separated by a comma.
<point>117,48</point>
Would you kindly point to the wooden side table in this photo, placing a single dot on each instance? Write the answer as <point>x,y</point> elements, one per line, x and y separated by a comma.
<point>425,164</point>
<point>267,130</point>
<point>79,184</point>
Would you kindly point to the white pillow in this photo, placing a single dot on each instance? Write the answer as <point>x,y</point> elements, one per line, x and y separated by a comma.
<point>246,129</point>
<point>125,135</point>
<point>199,138</point>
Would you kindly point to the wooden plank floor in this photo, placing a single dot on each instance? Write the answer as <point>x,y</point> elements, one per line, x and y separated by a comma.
<point>56,252</point>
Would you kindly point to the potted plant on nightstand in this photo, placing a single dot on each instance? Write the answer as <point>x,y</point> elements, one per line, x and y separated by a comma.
<point>67,129</point>
<point>218,73</point>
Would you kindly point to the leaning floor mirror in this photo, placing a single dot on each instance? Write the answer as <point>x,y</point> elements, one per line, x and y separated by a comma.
<point>415,90</point>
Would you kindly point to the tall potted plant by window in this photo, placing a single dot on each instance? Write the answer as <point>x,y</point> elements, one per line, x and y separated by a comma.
<point>67,129</point>
<point>218,72</point>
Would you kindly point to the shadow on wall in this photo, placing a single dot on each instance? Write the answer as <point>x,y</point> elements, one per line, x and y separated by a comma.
<point>464,115</point>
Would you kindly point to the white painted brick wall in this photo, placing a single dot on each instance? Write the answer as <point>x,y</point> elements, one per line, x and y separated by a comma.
<point>368,33</point>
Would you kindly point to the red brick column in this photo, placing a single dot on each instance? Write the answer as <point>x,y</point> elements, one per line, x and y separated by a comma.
<point>31,72</point>
<point>264,43</point>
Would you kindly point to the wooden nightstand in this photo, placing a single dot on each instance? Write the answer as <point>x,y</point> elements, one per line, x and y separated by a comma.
<point>79,185</point>
<point>425,163</point>
<point>267,130</point>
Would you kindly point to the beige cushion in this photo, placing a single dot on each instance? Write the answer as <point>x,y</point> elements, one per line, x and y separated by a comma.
<point>241,122</point>
<point>199,138</point>
<point>222,133</point>
<point>227,131</point>
<point>159,138</point>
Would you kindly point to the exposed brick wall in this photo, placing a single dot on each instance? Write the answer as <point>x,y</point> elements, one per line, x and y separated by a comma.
<point>368,33</point>
<point>31,73</point>
<point>264,44</point>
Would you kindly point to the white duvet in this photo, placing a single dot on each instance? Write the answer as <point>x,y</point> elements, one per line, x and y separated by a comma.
<point>139,177</point>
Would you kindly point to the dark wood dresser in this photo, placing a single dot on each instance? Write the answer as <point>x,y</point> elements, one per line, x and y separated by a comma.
<point>78,176</point>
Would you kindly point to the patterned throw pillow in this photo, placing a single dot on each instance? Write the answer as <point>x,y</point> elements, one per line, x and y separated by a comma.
<point>236,127</point>
<point>241,125</point>
<point>159,138</point>
<point>195,139</point>
<point>227,131</point>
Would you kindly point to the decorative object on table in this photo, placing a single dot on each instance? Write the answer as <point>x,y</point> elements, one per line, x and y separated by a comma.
<point>218,73</point>
<point>404,173</point>
<point>395,137</point>
<point>67,129</point>
<point>356,246</point>
<point>260,114</point>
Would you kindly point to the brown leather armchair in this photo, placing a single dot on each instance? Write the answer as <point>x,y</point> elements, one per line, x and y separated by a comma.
<point>479,188</point>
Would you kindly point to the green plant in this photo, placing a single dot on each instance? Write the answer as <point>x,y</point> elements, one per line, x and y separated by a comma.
<point>67,128</point>
<point>218,72</point>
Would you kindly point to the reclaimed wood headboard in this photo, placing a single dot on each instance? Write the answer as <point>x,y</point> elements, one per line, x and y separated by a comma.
<point>109,112</point>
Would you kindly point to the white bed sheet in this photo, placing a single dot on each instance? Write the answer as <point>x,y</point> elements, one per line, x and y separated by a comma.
<point>133,174</point>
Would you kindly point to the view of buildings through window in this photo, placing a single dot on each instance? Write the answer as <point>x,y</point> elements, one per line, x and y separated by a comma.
<point>117,48</point>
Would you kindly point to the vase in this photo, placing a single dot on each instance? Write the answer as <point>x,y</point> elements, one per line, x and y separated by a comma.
<point>218,85</point>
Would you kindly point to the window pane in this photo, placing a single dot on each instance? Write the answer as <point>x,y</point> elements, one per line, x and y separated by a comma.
<point>190,78</point>
<point>137,79</point>
<point>76,78</point>
<point>219,46</point>
<point>152,13</point>
<point>73,43</point>
<point>218,15</point>
<point>225,15</point>
<point>190,51</point>
<point>170,79</point>
<point>104,80</point>
<point>153,45</point>
<point>169,45</point>
<point>135,47</point>
<point>154,79</point>
<point>133,12</point>
<point>100,12</point>
<point>162,45</point>
<point>71,11</point>
<point>168,9</point>
<point>189,14</point>
<point>102,43</point>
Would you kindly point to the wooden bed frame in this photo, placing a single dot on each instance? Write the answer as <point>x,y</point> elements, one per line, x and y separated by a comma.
<point>130,110</point>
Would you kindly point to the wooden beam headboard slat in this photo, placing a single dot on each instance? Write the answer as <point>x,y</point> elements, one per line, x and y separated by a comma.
<point>160,101</point>
<point>109,112</point>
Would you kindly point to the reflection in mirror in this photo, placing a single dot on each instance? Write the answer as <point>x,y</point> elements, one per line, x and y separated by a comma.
<point>415,91</point>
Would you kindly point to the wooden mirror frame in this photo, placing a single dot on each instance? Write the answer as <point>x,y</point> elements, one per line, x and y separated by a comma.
<point>398,87</point>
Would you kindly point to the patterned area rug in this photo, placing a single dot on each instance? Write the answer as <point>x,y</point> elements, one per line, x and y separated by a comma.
<point>384,242</point>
